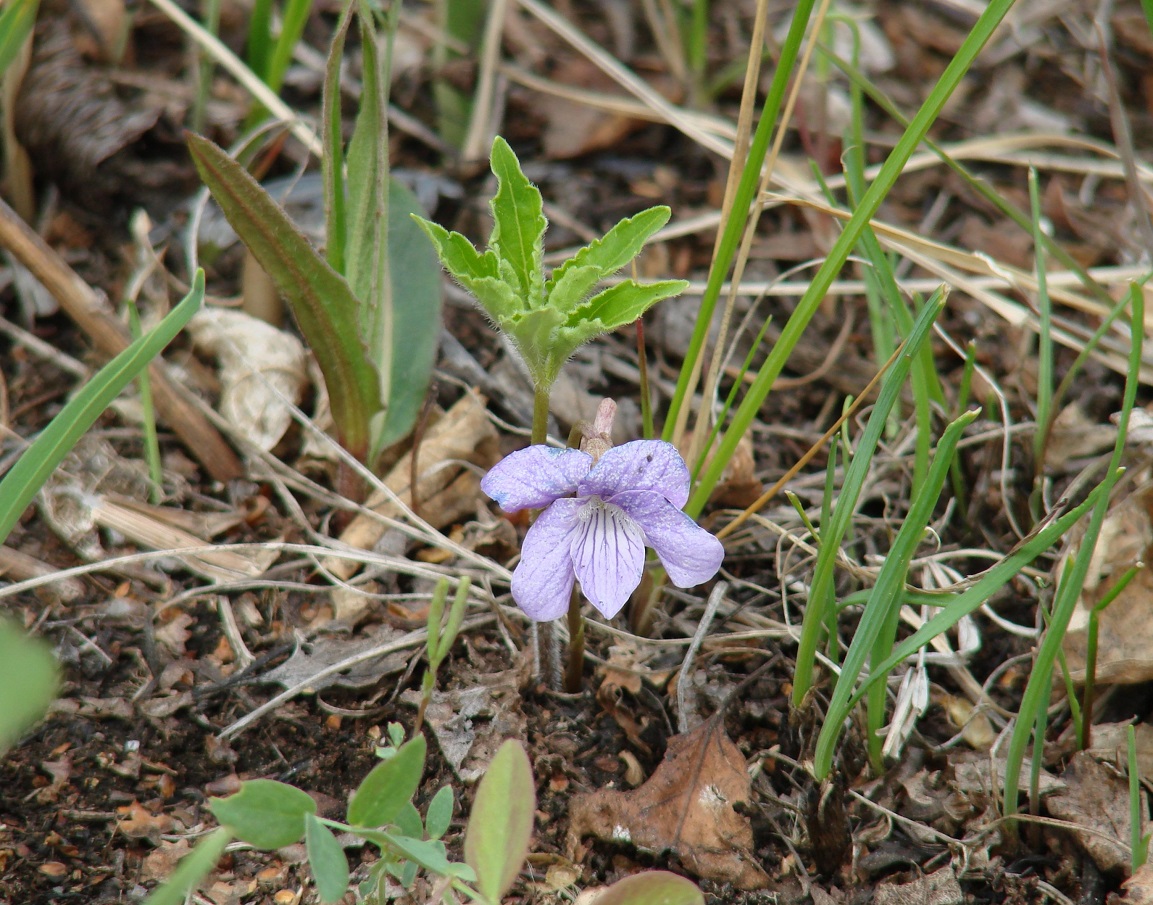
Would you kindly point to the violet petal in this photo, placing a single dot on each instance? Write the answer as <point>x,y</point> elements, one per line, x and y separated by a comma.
<point>689,553</point>
<point>533,477</point>
<point>608,554</point>
<point>543,580</point>
<point>639,465</point>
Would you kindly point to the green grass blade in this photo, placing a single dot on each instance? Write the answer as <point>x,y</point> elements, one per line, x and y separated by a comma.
<point>832,533</point>
<point>20,485</point>
<point>1069,590</point>
<point>291,28</point>
<point>886,596</point>
<point>735,223</point>
<point>807,306</point>
<point>955,607</point>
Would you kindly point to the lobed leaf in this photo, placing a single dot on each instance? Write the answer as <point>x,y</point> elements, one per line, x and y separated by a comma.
<point>321,300</point>
<point>265,813</point>
<point>605,256</point>
<point>389,787</point>
<point>624,303</point>
<point>327,860</point>
<point>500,826</point>
<point>478,273</point>
<point>518,225</point>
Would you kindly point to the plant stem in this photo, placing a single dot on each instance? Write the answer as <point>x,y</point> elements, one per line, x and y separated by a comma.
<point>540,415</point>
<point>574,675</point>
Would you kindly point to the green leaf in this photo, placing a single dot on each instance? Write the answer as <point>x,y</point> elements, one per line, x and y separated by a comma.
<point>367,260</point>
<point>438,817</point>
<point>332,160</point>
<point>408,822</point>
<point>535,335</point>
<point>327,860</point>
<point>25,478</point>
<point>409,329</point>
<point>576,277</point>
<point>500,827</point>
<point>428,853</point>
<point>265,813</point>
<point>476,272</point>
<point>518,225</point>
<point>389,786</point>
<point>29,679</point>
<point>192,868</point>
<point>16,23</point>
<point>653,887</point>
<point>623,303</point>
<point>321,300</point>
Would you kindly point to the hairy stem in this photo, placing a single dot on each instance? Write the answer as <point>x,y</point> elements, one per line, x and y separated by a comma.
<point>574,675</point>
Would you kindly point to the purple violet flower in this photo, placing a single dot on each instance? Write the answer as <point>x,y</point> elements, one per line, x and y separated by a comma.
<point>601,514</point>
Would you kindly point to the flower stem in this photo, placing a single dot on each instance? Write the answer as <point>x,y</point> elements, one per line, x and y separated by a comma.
<point>574,675</point>
<point>540,416</point>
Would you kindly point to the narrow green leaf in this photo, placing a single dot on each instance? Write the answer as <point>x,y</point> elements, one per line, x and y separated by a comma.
<point>265,813</point>
<point>16,23</point>
<point>438,817</point>
<point>428,853</point>
<point>29,680</point>
<point>321,300</point>
<point>409,329</point>
<point>367,258</point>
<point>192,868</point>
<point>327,860</point>
<point>518,224</point>
<point>605,256</point>
<point>389,787</point>
<point>332,161</point>
<point>500,826</point>
<point>25,478</point>
<point>653,887</point>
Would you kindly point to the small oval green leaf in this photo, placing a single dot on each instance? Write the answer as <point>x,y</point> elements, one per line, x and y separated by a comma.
<point>29,678</point>
<point>654,887</point>
<point>438,817</point>
<point>389,787</point>
<point>265,813</point>
<point>500,826</point>
<point>327,860</point>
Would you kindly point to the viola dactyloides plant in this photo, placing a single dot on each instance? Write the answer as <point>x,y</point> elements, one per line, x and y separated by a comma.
<point>601,506</point>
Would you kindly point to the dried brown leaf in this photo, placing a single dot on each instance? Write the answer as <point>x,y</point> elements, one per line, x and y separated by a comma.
<point>686,807</point>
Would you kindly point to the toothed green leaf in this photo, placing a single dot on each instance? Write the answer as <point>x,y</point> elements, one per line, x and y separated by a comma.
<point>622,304</point>
<point>574,279</point>
<point>518,225</point>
